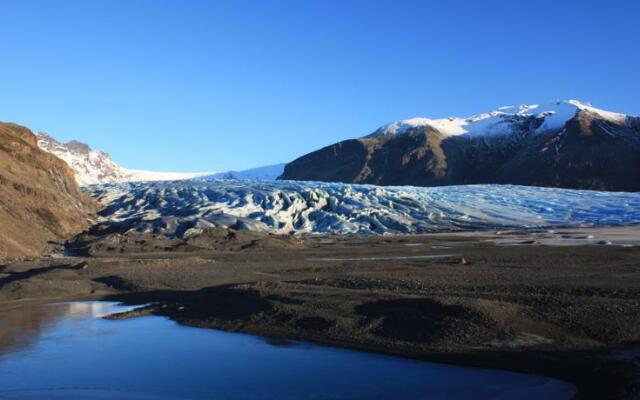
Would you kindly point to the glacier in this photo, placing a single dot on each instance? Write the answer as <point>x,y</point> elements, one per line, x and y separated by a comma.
<point>185,208</point>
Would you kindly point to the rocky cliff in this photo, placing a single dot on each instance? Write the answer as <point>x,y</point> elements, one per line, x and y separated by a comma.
<point>40,201</point>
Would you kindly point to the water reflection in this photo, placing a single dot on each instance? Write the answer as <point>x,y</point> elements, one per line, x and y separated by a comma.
<point>22,326</point>
<point>66,351</point>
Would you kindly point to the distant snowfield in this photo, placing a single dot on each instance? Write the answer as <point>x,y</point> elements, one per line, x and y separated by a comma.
<point>138,175</point>
<point>266,173</point>
<point>184,208</point>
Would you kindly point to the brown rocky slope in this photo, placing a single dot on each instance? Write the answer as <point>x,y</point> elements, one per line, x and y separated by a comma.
<point>40,201</point>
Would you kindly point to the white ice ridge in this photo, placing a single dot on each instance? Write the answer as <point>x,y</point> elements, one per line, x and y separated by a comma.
<point>186,207</point>
<point>502,121</point>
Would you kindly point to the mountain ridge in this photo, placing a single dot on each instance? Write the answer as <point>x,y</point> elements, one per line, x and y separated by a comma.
<point>567,144</point>
<point>96,167</point>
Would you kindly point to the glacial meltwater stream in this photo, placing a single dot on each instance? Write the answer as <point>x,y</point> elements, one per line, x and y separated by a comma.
<point>68,351</point>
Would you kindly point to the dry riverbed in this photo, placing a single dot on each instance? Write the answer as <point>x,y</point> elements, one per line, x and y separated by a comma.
<point>570,311</point>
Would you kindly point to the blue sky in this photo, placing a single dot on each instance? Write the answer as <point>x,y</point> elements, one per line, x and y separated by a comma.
<point>216,85</point>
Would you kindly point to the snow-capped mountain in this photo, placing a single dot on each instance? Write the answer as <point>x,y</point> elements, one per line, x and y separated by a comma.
<point>97,167</point>
<point>503,121</point>
<point>563,144</point>
<point>94,167</point>
<point>186,208</point>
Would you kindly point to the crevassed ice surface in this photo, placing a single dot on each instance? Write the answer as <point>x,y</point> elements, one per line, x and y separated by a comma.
<point>182,208</point>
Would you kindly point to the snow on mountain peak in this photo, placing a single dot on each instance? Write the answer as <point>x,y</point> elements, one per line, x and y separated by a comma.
<point>612,116</point>
<point>97,167</point>
<point>94,167</point>
<point>501,121</point>
<point>448,126</point>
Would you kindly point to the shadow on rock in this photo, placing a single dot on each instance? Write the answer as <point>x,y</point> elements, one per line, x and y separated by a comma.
<point>116,282</point>
<point>23,275</point>
<point>223,303</point>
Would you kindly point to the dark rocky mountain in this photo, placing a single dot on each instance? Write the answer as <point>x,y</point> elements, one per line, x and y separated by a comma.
<point>565,144</point>
<point>40,200</point>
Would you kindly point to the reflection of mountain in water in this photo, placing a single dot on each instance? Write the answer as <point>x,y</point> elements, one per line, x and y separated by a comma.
<point>21,327</point>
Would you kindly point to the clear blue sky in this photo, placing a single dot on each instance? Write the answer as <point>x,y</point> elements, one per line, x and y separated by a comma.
<point>215,85</point>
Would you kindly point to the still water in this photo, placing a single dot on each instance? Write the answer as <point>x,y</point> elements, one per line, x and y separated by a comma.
<point>68,351</point>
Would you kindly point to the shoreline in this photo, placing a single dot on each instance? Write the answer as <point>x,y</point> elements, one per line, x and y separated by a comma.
<point>595,374</point>
<point>558,311</point>
<point>584,369</point>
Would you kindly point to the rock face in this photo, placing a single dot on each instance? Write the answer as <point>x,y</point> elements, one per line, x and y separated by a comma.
<point>40,200</point>
<point>564,144</point>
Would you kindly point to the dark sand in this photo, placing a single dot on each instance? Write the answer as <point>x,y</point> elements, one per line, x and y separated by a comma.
<point>570,311</point>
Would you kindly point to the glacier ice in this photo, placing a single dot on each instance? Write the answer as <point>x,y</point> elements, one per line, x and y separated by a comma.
<point>182,208</point>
